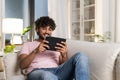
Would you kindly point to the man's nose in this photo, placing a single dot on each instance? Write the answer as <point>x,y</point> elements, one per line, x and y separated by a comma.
<point>47,31</point>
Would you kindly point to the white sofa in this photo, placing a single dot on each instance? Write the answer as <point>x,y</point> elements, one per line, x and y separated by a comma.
<point>104,60</point>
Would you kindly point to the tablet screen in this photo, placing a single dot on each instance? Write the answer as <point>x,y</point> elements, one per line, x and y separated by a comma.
<point>52,42</point>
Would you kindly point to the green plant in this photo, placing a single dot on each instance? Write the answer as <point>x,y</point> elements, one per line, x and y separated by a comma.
<point>107,36</point>
<point>103,38</point>
<point>26,29</point>
<point>9,48</point>
<point>99,38</point>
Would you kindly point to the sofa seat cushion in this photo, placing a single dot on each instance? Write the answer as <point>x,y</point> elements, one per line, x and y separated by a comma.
<point>17,77</point>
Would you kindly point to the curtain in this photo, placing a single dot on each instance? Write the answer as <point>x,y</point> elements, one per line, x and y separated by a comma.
<point>117,21</point>
<point>58,10</point>
<point>1,16</point>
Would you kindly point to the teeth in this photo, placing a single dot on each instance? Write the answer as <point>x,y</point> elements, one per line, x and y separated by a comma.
<point>47,36</point>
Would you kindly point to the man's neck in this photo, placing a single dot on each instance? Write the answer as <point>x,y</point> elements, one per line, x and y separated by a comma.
<point>40,40</point>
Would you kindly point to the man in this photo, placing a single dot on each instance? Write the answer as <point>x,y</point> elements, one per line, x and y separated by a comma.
<point>42,64</point>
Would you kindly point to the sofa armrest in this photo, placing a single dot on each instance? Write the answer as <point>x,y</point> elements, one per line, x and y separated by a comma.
<point>12,69</point>
<point>118,67</point>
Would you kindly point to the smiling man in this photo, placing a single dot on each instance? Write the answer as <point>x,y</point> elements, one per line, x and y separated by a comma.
<point>42,64</point>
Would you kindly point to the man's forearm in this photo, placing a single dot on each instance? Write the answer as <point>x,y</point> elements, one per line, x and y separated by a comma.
<point>26,60</point>
<point>63,58</point>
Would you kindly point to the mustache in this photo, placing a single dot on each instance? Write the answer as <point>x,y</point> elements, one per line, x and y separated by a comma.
<point>43,36</point>
<point>46,35</point>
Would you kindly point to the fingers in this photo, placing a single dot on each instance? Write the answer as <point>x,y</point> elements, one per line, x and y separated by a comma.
<point>43,46</point>
<point>61,47</point>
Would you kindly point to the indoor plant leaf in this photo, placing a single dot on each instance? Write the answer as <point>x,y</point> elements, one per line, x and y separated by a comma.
<point>26,29</point>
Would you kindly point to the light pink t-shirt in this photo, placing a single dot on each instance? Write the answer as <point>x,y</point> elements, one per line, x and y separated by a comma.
<point>47,59</point>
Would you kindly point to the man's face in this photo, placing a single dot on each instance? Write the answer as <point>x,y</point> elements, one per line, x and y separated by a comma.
<point>44,31</point>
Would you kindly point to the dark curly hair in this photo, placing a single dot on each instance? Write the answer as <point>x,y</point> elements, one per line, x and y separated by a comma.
<point>45,21</point>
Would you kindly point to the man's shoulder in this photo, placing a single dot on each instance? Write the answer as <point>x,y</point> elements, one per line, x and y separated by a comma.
<point>31,42</point>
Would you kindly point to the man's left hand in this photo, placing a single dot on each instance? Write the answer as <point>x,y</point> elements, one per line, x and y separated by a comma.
<point>62,48</point>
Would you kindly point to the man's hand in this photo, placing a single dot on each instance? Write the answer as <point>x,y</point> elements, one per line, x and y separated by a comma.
<point>62,48</point>
<point>43,46</point>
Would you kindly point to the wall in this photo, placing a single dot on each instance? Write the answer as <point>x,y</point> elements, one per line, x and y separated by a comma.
<point>41,8</point>
<point>25,13</point>
<point>14,8</point>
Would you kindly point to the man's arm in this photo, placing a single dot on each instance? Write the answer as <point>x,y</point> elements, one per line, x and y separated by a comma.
<point>62,58</point>
<point>25,60</point>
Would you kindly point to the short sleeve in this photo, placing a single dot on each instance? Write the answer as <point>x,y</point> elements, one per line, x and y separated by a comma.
<point>25,49</point>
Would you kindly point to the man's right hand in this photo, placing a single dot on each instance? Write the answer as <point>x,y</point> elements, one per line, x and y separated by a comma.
<point>43,46</point>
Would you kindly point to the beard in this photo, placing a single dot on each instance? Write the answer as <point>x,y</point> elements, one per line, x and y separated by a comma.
<point>41,36</point>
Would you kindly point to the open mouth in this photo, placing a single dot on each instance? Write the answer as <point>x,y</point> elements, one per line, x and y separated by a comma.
<point>46,35</point>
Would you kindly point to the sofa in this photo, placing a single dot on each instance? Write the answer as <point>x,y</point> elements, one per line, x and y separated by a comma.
<point>104,60</point>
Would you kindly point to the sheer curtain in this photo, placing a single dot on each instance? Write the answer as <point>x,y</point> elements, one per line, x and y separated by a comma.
<point>58,10</point>
<point>1,16</point>
<point>117,21</point>
<point>0,23</point>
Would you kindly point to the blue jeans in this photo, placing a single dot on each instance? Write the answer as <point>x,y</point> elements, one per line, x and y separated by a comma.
<point>76,67</point>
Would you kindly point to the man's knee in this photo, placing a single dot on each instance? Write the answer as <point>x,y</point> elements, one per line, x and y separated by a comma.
<point>81,57</point>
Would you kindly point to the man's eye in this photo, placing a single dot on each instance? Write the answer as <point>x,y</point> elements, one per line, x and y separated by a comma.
<point>50,29</point>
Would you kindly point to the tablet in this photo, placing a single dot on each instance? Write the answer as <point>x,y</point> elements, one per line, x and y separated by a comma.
<point>52,42</point>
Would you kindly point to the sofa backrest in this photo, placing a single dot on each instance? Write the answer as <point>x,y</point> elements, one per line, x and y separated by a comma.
<point>102,57</point>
